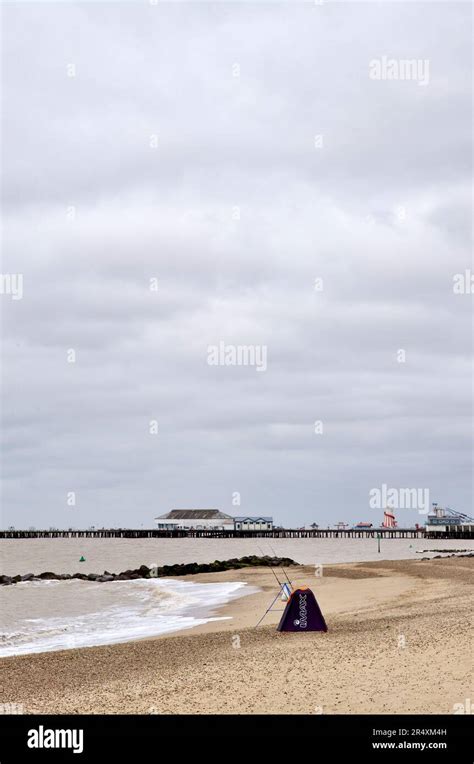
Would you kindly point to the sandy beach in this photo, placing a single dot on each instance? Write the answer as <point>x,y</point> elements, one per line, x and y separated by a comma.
<point>398,642</point>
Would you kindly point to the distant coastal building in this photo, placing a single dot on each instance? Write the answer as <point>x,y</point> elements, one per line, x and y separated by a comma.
<point>253,523</point>
<point>444,521</point>
<point>194,519</point>
<point>204,519</point>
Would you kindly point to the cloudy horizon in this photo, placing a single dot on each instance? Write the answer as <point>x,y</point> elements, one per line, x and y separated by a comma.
<point>244,238</point>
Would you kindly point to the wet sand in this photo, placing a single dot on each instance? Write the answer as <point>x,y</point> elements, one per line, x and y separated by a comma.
<point>398,642</point>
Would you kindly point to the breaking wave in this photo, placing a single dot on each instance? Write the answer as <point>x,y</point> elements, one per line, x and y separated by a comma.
<point>84,614</point>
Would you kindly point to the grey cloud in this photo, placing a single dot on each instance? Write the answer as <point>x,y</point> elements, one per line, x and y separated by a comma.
<point>379,212</point>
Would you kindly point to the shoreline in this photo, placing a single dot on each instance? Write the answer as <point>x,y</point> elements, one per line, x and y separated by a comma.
<point>228,614</point>
<point>398,642</point>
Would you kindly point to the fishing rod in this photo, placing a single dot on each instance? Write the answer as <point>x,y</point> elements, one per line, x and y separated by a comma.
<point>281,566</point>
<point>267,611</point>
<point>277,579</point>
<point>282,587</point>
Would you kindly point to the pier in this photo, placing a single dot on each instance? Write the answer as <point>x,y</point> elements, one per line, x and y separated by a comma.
<point>275,533</point>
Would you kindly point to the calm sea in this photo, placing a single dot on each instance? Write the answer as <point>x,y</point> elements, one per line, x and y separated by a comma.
<point>62,555</point>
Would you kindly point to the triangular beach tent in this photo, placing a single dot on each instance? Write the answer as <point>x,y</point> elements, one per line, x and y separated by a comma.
<point>302,613</point>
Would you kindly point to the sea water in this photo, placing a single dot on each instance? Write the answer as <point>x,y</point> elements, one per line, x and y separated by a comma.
<point>40,616</point>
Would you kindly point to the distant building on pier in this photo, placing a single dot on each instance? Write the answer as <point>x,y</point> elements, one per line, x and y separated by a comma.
<point>448,521</point>
<point>253,523</point>
<point>194,519</point>
<point>211,519</point>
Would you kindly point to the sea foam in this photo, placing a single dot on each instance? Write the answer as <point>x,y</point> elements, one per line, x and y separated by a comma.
<point>83,614</point>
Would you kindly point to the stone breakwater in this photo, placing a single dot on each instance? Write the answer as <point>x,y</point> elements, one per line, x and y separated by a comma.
<point>165,571</point>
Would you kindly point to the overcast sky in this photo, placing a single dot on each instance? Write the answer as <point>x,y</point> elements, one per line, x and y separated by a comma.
<point>178,142</point>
